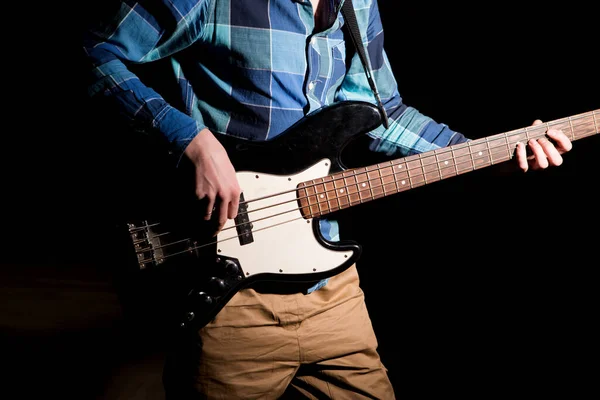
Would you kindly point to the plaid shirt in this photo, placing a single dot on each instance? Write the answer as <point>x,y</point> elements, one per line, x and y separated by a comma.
<point>249,68</point>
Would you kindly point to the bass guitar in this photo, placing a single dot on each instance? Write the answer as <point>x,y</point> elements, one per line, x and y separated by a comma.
<point>288,184</point>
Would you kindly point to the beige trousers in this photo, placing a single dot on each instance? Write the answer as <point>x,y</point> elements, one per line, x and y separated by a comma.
<point>272,346</point>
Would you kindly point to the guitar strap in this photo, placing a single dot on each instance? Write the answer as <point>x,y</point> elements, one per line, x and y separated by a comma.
<point>352,24</point>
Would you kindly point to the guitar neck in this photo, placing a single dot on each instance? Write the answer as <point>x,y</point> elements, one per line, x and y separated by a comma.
<point>351,187</point>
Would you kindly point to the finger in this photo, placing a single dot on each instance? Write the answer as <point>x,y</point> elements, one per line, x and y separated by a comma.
<point>537,122</point>
<point>209,208</point>
<point>223,206</point>
<point>563,142</point>
<point>538,153</point>
<point>234,207</point>
<point>551,152</point>
<point>522,157</point>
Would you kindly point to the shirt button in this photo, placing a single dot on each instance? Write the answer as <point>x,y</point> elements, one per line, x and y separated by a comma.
<point>311,85</point>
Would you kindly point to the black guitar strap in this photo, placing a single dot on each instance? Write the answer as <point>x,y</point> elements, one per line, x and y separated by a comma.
<point>350,18</point>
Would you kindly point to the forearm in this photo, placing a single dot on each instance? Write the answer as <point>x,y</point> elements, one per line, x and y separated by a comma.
<point>131,37</point>
<point>409,131</point>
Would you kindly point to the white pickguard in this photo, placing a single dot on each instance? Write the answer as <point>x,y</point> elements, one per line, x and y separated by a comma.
<point>284,241</point>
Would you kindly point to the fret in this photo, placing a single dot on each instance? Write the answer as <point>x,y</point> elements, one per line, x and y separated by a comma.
<point>538,131</point>
<point>380,176</point>
<point>596,129</point>
<point>422,167</point>
<point>388,179</point>
<point>403,174</point>
<point>513,138</point>
<point>339,184</point>
<point>345,200</point>
<point>402,178</point>
<point>454,160</point>
<point>361,183</point>
<point>430,167</point>
<point>477,155</point>
<point>400,167</point>
<point>411,166</point>
<point>566,126</point>
<point>393,179</point>
<point>446,162</point>
<point>369,185</point>
<point>322,197</point>
<point>448,169</point>
<point>509,149</point>
<point>303,195</point>
<point>498,149</point>
<point>463,161</point>
<point>405,184</point>
<point>373,175</point>
<point>381,179</point>
<point>353,188</point>
<point>308,199</point>
<point>572,129</point>
<point>330,194</point>
<point>526,135</point>
<point>415,175</point>
<point>490,154</point>
<point>312,199</point>
<point>431,172</point>
<point>589,127</point>
<point>338,191</point>
<point>471,156</point>
<point>437,164</point>
<point>378,190</point>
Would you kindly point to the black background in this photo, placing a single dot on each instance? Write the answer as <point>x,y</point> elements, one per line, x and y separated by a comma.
<point>480,285</point>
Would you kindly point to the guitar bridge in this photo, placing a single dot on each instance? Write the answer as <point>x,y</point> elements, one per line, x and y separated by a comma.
<point>153,246</point>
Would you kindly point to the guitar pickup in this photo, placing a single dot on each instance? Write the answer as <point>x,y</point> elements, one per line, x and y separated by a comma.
<point>243,224</point>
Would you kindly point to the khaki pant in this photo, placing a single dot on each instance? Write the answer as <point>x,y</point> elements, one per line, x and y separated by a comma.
<point>272,346</point>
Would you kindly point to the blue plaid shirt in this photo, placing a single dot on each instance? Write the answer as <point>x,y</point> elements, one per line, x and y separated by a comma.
<point>249,68</point>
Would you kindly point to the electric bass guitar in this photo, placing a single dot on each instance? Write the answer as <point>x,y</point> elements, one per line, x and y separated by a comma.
<point>288,183</point>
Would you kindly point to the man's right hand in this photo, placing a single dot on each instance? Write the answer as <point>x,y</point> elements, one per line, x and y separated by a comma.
<point>216,181</point>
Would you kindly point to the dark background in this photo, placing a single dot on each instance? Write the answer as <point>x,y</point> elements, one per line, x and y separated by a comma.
<point>479,285</point>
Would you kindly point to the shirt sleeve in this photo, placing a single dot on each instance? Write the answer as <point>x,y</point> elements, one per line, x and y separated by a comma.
<point>409,131</point>
<point>134,36</point>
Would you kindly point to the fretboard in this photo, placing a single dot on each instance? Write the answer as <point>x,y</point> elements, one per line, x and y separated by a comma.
<point>356,186</point>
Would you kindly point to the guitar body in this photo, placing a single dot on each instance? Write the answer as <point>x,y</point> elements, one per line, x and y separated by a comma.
<point>270,240</point>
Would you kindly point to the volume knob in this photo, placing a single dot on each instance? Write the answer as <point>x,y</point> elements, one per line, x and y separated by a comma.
<point>218,284</point>
<point>231,267</point>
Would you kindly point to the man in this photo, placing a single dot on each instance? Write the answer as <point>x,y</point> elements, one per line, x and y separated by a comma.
<point>252,70</point>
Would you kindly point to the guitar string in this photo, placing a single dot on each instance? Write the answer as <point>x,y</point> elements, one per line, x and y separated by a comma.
<point>340,176</point>
<point>365,171</point>
<point>319,203</point>
<point>343,175</point>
